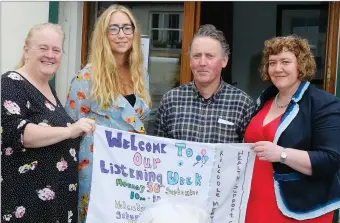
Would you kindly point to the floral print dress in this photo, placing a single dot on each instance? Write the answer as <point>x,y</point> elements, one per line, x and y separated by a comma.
<point>119,114</point>
<point>38,185</point>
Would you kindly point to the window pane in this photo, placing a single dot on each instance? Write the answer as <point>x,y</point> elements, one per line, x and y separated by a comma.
<point>155,20</point>
<point>174,21</point>
<point>171,21</point>
<point>166,39</point>
<point>155,36</point>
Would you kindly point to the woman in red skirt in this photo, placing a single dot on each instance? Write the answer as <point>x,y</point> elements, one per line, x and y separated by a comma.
<point>296,136</point>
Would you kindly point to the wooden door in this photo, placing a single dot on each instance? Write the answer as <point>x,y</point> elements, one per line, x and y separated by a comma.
<point>192,12</point>
<point>332,47</point>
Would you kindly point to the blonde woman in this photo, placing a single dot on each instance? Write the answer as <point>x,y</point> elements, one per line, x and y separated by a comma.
<point>112,88</point>
<point>39,142</point>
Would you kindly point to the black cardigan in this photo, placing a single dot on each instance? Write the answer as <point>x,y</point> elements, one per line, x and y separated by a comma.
<point>311,123</point>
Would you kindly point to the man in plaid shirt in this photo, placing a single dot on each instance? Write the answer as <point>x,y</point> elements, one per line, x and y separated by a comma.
<point>206,110</point>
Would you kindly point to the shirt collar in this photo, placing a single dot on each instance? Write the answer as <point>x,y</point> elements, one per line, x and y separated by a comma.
<point>213,97</point>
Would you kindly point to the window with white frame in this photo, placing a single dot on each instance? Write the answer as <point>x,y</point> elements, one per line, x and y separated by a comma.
<point>166,30</point>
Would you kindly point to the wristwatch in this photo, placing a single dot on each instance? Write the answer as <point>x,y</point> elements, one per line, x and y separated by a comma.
<point>283,155</point>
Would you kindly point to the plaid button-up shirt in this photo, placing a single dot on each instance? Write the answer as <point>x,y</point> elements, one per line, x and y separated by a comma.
<point>185,115</point>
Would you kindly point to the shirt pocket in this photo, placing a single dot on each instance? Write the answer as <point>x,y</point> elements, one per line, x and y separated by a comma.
<point>226,132</point>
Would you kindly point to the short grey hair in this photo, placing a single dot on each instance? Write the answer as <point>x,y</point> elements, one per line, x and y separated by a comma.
<point>209,30</point>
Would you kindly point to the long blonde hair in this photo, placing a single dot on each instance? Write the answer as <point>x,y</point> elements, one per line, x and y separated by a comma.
<point>104,75</point>
<point>53,26</point>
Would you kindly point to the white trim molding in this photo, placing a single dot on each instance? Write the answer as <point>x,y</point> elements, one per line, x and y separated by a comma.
<point>71,20</point>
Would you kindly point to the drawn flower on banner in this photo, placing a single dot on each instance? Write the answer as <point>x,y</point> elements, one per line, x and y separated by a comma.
<point>203,158</point>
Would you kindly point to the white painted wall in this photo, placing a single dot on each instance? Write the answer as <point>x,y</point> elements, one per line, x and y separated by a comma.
<point>71,20</point>
<point>16,20</point>
<point>253,23</point>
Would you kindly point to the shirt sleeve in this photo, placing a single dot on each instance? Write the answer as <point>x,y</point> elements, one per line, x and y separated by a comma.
<point>78,102</point>
<point>161,125</point>
<point>249,109</point>
<point>325,151</point>
<point>15,107</point>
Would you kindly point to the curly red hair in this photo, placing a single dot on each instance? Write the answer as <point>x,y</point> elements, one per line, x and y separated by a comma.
<point>295,44</point>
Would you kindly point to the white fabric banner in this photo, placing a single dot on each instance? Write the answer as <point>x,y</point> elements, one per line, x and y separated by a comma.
<point>131,171</point>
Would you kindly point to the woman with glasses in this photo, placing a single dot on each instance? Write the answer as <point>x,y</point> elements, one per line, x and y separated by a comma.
<point>111,89</point>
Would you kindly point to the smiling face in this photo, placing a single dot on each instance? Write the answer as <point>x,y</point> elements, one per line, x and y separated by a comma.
<point>283,70</point>
<point>44,51</point>
<point>207,60</point>
<point>120,43</point>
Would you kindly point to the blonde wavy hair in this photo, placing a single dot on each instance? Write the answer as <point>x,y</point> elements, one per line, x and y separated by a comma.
<point>104,74</point>
<point>292,43</point>
<point>35,28</point>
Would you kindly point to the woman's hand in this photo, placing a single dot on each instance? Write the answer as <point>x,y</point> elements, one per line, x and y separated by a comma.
<point>268,151</point>
<point>82,127</point>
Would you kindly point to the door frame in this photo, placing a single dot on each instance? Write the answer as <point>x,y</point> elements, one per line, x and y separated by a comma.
<point>84,35</point>
<point>332,48</point>
<point>192,15</point>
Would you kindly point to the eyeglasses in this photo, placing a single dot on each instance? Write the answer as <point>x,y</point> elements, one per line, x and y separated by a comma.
<point>127,29</point>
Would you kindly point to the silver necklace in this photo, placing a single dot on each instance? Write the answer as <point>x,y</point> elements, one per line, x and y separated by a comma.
<point>277,103</point>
